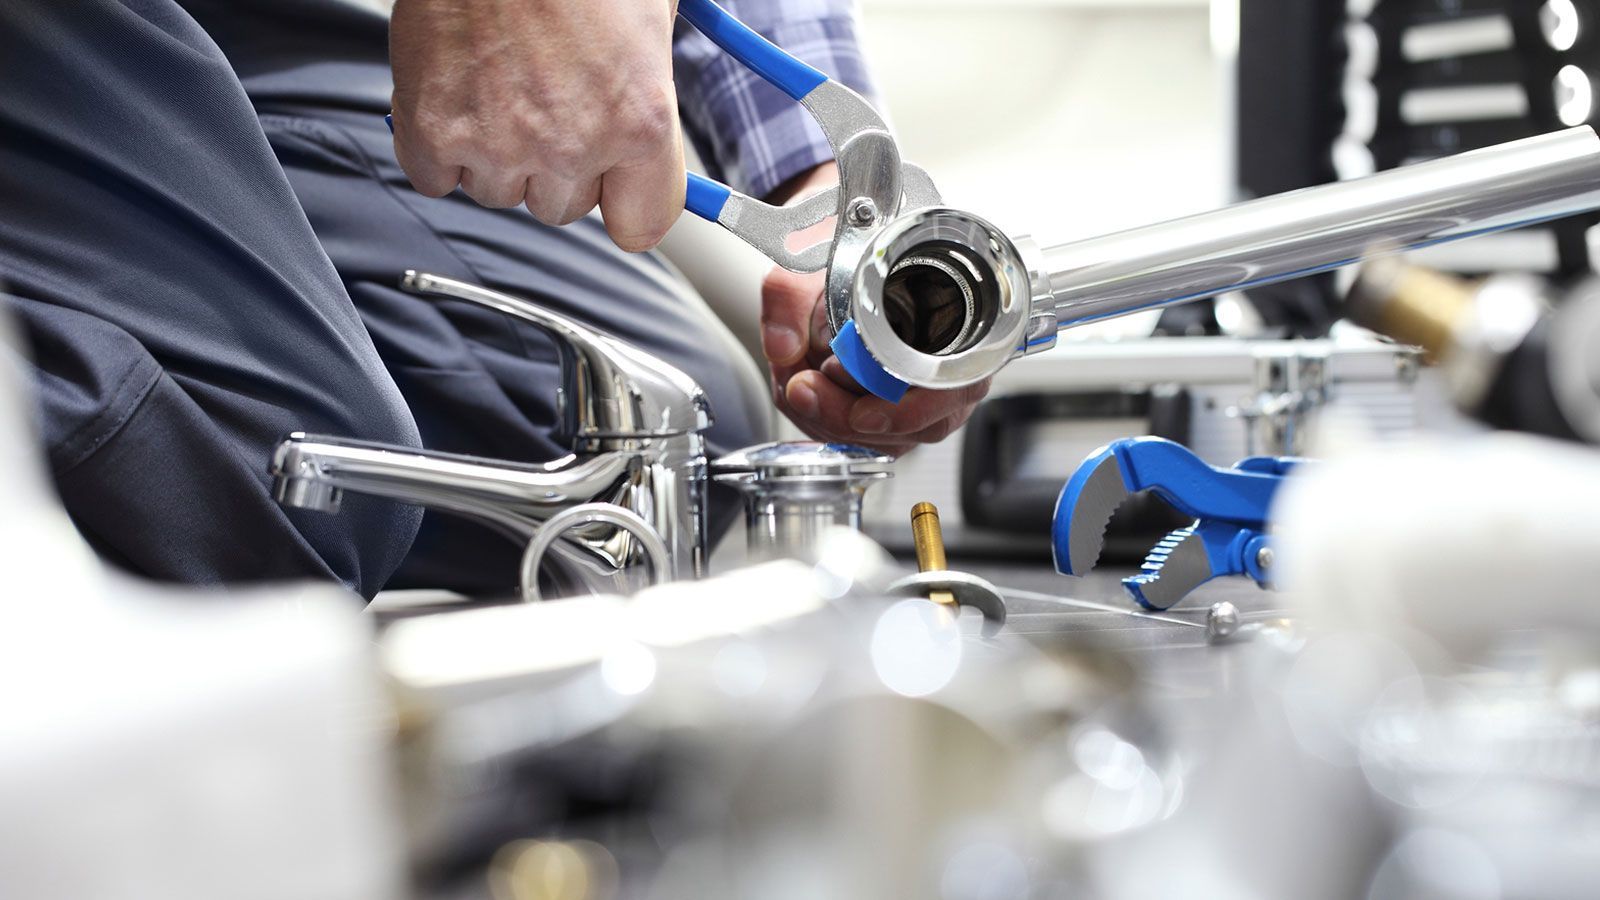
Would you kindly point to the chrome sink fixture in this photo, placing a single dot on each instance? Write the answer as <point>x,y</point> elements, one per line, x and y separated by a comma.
<point>795,491</point>
<point>637,467</point>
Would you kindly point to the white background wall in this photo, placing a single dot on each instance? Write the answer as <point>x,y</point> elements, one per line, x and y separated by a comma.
<point>1063,117</point>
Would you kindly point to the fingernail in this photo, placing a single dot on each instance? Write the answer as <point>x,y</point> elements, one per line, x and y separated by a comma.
<point>781,343</point>
<point>870,423</point>
<point>803,399</point>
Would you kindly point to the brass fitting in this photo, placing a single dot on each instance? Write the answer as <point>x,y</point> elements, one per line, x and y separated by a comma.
<point>1412,304</point>
<point>929,540</point>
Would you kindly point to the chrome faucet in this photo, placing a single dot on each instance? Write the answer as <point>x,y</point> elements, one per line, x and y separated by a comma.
<point>633,422</point>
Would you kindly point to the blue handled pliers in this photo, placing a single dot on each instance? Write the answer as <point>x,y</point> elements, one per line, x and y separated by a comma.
<point>1230,508</point>
<point>875,186</point>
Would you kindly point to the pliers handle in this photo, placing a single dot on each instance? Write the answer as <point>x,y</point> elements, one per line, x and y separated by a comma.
<point>870,169</point>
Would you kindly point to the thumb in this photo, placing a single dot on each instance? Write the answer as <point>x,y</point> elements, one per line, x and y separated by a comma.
<point>787,301</point>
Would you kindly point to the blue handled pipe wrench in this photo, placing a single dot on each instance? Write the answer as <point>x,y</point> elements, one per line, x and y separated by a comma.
<point>1230,507</point>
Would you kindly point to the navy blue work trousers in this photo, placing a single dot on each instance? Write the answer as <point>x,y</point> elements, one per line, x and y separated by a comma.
<point>202,226</point>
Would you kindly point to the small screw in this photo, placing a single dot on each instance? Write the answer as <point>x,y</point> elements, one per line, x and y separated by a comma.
<point>862,212</point>
<point>1222,621</point>
<point>1264,558</point>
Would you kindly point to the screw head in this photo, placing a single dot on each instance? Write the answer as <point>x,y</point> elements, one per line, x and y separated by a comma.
<point>862,212</point>
<point>1264,558</point>
<point>1222,621</point>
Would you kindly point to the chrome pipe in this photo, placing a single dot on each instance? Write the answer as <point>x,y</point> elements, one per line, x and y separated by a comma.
<point>943,299</point>
<point>1314,230</point>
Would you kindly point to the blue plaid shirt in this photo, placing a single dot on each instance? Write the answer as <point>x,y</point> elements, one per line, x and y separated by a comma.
<point>747,132</point>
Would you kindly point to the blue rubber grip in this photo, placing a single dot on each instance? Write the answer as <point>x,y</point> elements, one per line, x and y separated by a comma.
<point>866,370</point>
<point>786,73</point>
<point>389,121</point>
<point>706,198</point>
<point>1191,486</point>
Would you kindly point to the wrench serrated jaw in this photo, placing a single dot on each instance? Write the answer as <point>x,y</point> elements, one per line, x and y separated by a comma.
<point>1175,566</point>
<point>1084,510</point>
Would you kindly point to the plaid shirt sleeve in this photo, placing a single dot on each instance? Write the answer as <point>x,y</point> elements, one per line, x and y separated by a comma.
<point>748,133</point>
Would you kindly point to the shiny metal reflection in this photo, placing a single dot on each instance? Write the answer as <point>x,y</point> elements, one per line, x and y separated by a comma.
<point>1317,229</point>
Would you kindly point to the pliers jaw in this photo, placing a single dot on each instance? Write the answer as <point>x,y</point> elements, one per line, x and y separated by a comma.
<point>1230,506</point>
<point>869,191</point>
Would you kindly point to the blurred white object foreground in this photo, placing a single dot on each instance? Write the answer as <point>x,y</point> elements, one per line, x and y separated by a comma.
<point>177,745</point>
<point>1460,541</point>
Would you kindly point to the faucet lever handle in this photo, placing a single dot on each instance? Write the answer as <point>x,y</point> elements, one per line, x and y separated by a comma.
<point>609,389</point>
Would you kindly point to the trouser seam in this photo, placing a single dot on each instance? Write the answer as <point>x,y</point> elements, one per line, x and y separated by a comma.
<point>97,432</point>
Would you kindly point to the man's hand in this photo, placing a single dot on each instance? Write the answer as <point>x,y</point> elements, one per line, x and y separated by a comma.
<point>811,386</point>
<point>556,104</point>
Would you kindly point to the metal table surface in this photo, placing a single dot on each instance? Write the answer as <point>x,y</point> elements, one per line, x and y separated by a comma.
<point>1173,666</point>
<point>1042,602</point>
<point>1168,650</point>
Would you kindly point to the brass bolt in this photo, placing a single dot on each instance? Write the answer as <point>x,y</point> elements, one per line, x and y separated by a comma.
<point>929,539</point>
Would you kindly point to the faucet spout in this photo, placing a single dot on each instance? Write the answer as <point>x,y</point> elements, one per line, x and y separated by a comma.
<point>312,472</point>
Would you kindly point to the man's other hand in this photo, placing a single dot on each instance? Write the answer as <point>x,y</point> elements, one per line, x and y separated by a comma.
<point>810,385</point>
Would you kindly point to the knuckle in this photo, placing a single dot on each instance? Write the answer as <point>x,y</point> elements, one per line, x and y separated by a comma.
<point>652,117</point>
<point>497,200</point>
<point>499,153</point>
<point>542,212</point>
<point>568,153</point>
<point>939,431</point>
<point>427,183</point>
<point>575,211</point>
<point>439,139</point>
<point>656,127</point>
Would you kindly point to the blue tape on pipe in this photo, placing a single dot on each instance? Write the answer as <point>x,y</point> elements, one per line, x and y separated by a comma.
<point>863,367</point>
